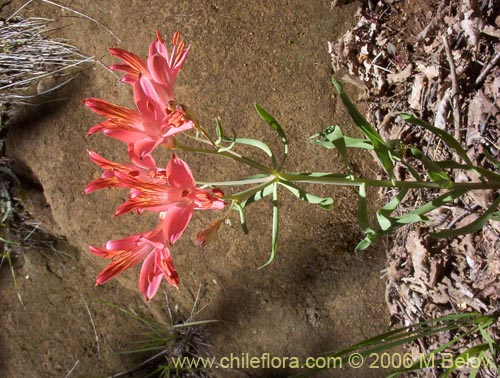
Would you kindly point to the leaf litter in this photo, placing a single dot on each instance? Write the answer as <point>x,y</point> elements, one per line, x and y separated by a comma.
<point>438,59</point>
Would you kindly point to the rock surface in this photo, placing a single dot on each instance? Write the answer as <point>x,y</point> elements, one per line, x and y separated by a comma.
<point>317,295</point>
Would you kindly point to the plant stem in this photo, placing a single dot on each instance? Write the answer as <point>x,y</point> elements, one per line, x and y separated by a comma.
<point>228,154</point>
<point>247,181</point>
<point>335,179</point>
<point>245,194</point>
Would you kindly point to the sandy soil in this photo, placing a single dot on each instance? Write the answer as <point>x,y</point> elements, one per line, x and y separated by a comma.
<point>316,296</point>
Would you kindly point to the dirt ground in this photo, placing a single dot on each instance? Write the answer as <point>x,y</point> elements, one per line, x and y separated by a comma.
<point>317,295</point>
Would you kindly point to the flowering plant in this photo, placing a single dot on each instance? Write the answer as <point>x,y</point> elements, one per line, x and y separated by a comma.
<point>170,191</point>
<point>173,193</point>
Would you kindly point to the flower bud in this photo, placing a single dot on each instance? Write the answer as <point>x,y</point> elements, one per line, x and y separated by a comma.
<point>207,235</point>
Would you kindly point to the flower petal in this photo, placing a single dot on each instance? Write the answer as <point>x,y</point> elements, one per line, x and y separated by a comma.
<point>101,183</point>
<point>109,110</point>
<point>150,277</point>
<point>118,266</point>
<point>136,63</point>
<point>179,174</point>
<point>165,263</point>
<point>127,243</point>
<point>176,221</point>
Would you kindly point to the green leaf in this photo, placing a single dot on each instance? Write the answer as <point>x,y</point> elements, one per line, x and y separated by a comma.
<point>364,244</point>
<point>404,335</point>
<point>364,144</point>
<point>433,170</point>
<point>326,137</point>
<point>451,141</point>
<point>384,222</point>
<point>243,219</point>
<point>439,201</point>
<point>495,216</point>
<point>221,137</point>
<point>464,356</point>
<point>479,171</point>
<point>335,136</point>
<point>274,246</point>
<point>393,204</point>
<point>417,215</point>
<point>410,218</point>
<point>247,141</point>
<point>325,203</point>
<point>276,126</point>
<point>383,214</point>
<point>194,323</point>
<point>256,194</point>
<point>495,162</point>
<point>473,226</point>
<point>381,148</point>
<point>321,174</point>
<point>363,211</point>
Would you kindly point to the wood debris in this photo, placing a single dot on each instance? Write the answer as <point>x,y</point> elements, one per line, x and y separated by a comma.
<point>438,59</point>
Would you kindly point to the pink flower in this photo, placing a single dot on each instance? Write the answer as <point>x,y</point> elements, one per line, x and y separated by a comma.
<point>159,71</point>
<point>108,178</point>
<point>143,130</point>
<point>157,118</point>
<point>171,192</point>
<point>207,235</point>
<point>178,196</point>
<point>130,251</point>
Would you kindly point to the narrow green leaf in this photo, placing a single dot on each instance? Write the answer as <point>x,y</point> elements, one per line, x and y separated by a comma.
<point>404,335</point>
<point>243,219</point>
<point>495,216</point>
<point>321,174</point>
<point>483,328</point>
<point>384,221</point>
<point>495,162</point>
<point>221,137</point>
<point>258,144</point>
<point>447,138</point>
<point>411,218</point>
<point>464,356</point>
<point>260,192</point>
<point>393,204</point>
<point>383,214</point>
<point>325,203</point>
<point>477,365</point>
<point>433,170</point>
<point>274,247</point>
<point>363,211</point>
<point>246,141</point>
<point>358,143</point>
<point>381,148</point>
<point>439,201</point>
<point>364,244</point>
<point>194,323</point>
<point>276,126</point>
<point>334,135</point>
<point>479,171</point>
<point>417,215</point>
<point>473,226</point>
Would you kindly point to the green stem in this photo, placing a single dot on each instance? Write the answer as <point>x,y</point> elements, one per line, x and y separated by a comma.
<point>228,154</point>
<point>249,181</point>
<point>346,180</point>
<point>246,194</point>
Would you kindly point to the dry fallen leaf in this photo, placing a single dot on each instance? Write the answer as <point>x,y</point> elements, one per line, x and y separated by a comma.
<point>401,76</point>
